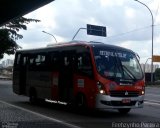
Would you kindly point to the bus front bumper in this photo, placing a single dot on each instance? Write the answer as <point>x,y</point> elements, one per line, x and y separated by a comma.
<point>107,102</point>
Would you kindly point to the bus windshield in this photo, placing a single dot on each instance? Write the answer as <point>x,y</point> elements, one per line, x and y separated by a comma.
<point>114,64</point>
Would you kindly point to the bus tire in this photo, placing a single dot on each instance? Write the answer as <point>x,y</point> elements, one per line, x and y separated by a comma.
<point>81,102</point>
<point>40,100</point>
<point>32,96</point>
<point>124,110</point>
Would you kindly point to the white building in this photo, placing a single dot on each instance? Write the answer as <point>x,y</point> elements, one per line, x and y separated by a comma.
<point>147,68</point>
<point>7,63</point>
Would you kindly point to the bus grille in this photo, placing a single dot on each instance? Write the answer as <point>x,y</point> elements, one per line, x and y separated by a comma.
<point>115,103</point>
<point>124,93</point>
<point>118,103</point>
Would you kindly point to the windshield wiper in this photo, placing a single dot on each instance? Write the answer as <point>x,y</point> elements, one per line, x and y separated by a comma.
<point>130,74</point>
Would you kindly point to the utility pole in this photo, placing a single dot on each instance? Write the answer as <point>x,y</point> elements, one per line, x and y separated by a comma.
<point>152,38</point>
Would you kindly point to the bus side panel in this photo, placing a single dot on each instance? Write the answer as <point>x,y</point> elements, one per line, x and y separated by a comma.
<point>86,86</point>
<point>16,84</point>
<point>16,74</point>
<point>55,79</point>
<point>41,82</point>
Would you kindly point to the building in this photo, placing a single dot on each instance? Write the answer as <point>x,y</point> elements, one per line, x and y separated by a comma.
<point>7,63</point>
<point>1,66</point>
<point>147,68</point>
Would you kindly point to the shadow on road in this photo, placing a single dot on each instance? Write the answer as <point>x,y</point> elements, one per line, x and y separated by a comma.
<point>66,109</point>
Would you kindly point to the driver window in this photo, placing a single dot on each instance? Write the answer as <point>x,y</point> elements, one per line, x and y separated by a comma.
<point>84,64</point>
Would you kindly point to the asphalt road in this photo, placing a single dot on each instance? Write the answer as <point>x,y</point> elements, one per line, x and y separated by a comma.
<point>17,112</point>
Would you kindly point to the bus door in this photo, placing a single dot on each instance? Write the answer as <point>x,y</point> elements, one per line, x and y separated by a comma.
<point>22,73</point>
<point>66,75</point>
<point>16,73</point>
<point>84,79</point>
<point>54,65</point>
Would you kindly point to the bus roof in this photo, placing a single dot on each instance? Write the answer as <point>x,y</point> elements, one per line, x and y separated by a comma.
<point>77,43</point>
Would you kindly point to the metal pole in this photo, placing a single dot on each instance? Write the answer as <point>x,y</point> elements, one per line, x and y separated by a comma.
<point>77,32</point>
<point>51,35</point>
<point>152,38</point>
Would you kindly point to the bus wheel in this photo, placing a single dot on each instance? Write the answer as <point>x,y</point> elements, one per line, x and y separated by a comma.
<point>81,102</point>
<point>32,97</point>
<point>124,110</point>
<point>41,101</point>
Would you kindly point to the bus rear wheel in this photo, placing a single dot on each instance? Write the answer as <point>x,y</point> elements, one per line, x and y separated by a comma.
<point>32,97</point>
<point>124,110</point>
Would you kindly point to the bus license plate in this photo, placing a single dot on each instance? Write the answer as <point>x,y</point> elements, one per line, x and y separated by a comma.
<point>126,101</point>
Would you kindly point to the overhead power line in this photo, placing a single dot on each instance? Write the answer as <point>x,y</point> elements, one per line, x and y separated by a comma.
<point>138,29</point>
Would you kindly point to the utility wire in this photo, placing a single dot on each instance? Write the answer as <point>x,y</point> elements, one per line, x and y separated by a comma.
<point>138,29</point>
<point>121,34</point>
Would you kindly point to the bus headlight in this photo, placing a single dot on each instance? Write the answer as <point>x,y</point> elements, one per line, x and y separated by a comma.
<point>102,92</point>
<point>101,88</point>
<point>142,92</point>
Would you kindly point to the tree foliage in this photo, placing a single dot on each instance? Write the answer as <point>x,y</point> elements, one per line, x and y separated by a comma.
<point>9,34</point>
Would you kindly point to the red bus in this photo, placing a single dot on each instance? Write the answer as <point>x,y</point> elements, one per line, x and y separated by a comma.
<point>89,74</point>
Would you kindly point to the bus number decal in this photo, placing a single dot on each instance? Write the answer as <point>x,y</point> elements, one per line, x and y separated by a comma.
<point>80,83</point>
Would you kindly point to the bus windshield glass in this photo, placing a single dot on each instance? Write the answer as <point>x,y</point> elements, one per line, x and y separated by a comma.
<point>117,64</point>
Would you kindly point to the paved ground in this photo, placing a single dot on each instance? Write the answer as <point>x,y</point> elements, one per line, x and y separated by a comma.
<point>12,116</point>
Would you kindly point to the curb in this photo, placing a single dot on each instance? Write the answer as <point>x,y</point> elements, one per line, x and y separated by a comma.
<point>5,78</point>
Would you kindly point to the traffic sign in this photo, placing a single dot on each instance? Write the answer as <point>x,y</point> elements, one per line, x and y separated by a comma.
<point>156,58</point>
<point>96,30</point>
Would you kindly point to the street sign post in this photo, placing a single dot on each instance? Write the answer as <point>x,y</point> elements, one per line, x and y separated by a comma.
<point>96,30</point>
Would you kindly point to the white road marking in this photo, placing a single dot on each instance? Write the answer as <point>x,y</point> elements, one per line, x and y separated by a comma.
<point>152,103</point>
<point>43,116</point>
<point>152,94</point>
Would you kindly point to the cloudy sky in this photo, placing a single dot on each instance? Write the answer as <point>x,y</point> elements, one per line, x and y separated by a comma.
<point>128,24</point>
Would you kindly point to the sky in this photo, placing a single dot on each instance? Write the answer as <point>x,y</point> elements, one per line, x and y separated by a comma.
<point>128,24</point>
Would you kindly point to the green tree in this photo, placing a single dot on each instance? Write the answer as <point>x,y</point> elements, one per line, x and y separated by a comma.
<point>9,34</point>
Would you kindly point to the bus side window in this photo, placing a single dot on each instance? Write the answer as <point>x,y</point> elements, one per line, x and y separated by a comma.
<point>65,61</point>
<point>31,62</point>
<point>84,64</point>
<point>24,61</point>
<point>40,62</point>
<point>17,62</point>
<point>54,64</point>
<point>18,59</point>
